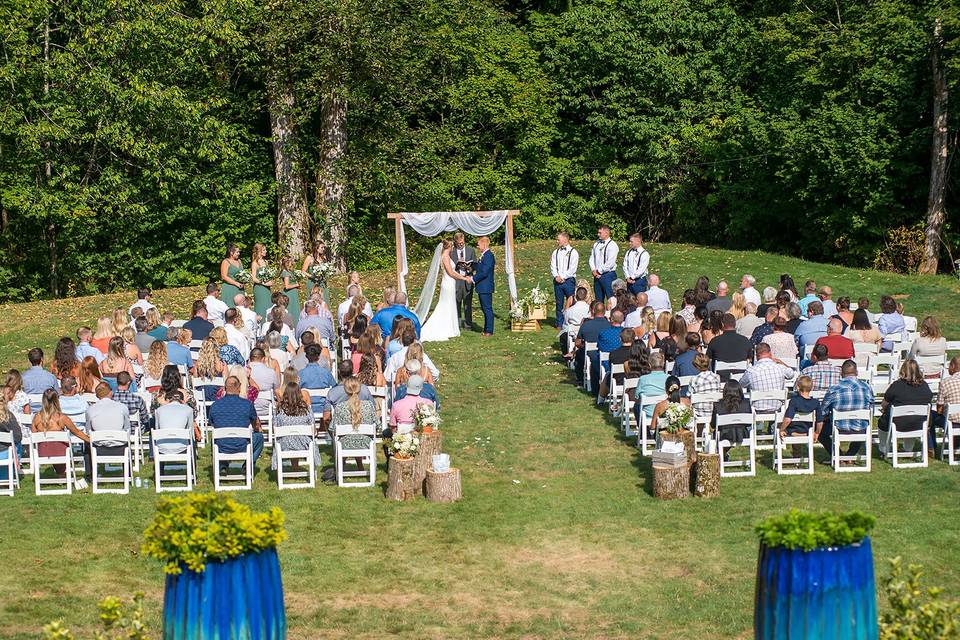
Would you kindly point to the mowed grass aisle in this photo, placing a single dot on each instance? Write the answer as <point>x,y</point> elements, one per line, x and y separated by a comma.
<point>557,535</point>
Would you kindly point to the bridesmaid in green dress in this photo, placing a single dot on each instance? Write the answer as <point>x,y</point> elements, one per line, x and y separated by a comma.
<point>291,287</point>
<point>261,289</point>
<point>228,269</point>
<point>319,256</point>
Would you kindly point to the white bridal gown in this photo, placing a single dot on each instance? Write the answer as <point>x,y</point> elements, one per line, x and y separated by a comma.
<point>443,323</point>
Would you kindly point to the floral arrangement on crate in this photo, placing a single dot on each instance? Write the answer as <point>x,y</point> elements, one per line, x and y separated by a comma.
<point>267,273</point>
<point>537,297</point>
<point>198,528</point>
<point>522,309</point>
<point>242,276</point>
<point>518,312</point>
<point>405,445</point>
<point>426,417</point>
<point>676,416</point>
<point>808,531</point>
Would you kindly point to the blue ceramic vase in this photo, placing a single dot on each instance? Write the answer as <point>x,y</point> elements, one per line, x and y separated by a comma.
<point>240,599</point>
<point>824,594</point>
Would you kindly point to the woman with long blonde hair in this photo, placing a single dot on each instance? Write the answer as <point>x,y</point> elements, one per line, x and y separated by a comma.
<point>130,348</point>
<point>414,352</point>
<point>389,296</point>
<point>738,305</point>
<point>101,337</point>
<point>208,362</point>
<point>119,320</point>
<point>261,288</point>
<point>353,412</point>
<point>51,418</point>
<point>248,386</point>
<point>157,360</point>
<point>116,360</point>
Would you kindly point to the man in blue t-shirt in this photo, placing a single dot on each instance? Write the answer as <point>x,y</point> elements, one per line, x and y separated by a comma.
<point>235,412</point>
<point>384,317</point>
<point>316,375</point>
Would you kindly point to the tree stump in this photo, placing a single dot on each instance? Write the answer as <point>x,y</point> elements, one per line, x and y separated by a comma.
<point>430,444</point>
<point>708,475</point>
<point>442,487</point>
<point>684,436</point>
<point>671,482</point>
<point>401,479</point>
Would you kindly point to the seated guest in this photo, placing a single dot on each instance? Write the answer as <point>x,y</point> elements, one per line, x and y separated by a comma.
<point>948,395</point>
<point>683,364</point>
<point>769,300</point>
<point>890,322</point>
<point>338,394</point>
<point>248,317</point>
<point>573,317</point>
<point>130,348</point>
<point>209,364</point>
<point>721,302</point>
<point>402,334</point>
<point>590,331</point>
<point>849,394</point>
<point>317,318</point>
<point>65,361</point>
<point>101,338</point>
<point>153,367</point>
<point>636,319</point>
<point>813,328</point>
<point>838,345</point>
<point>809,295</point>
<point>265,378</point>
<point>738,305</point>
<point>638,363</point>
<point>364,345</point>
<point>823,374</point>
<point>609,339</point>
<point>293,410</point>
<point>657,298</point>
<point>71,402</point>
<point>13,395</point>
<point>228,353</point>
<point>750,321</point>
<point>36,379</point>
<point>155,325</point>
<point>316,375</point>
<point>143,301</point>
<point>402,412</point>
<point>930,342</point>
<point>620,355</point>
<point>172,382</point>
<point>909,389</point>
<point>766,374</point>
<point>232,323</point>
<point>829,306</point>
<point>864,303</point>
<point>700,321</point>
<point>801,403</point>
<point>198,324</point>
<point>861,331</point>
<point>116,360</point>
<point>234,411</point>
<point>731,402</point>
<point>766,328</point>
<point>672,389</point>
<point>178,348</point>
<point>106,414</point>
<point>650,384</point>
<point>142,339</point>
<point>215,306</point>
<point>9,424</point>
<point>388,300</point>
<point>132,401</point>
<point>174,414</point>
<point>689,307</point>
<point>275,322</point>
<point>729,346</point>
<point>353,291</point>
<point>248,387</point>
<point>88,376</point>
<point>414,353</point>
<point>781,343</point>
<point>793,318</point>
<point>354,410</point>
<point>750,293</point>
<point>84,348</point>
<point>843,313</point>
<point>397,360</point>
<point>370,372</point>
<point>51,418</point>
<point>712,326</point>
<point>273,343</point>
<point>385,317</point>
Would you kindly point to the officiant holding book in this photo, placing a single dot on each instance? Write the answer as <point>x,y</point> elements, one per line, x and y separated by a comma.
<point>465,260</point>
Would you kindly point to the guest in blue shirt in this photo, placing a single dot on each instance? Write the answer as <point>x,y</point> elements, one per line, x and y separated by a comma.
<point>814,327</point>
<point>178,350</point>
<point>316,375</point>
<point>198,324</point>
<point>428,391</point>
<point>809,295</point>
<point>36,379</point>
<point>384,317</point>
<point>235,412</point>
<point>683,363</point>
<point>316,318</point>
<point>650,384</point>
<point>890,322</point>
<point>609,338</point>
<point>84,348</point>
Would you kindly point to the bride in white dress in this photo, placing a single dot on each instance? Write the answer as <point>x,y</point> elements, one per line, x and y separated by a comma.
<point>443,323</point>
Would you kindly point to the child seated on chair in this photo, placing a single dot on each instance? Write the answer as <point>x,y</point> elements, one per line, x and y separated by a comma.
<point>801,402</point>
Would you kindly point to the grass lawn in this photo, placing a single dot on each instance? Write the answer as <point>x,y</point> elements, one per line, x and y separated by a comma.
<point>557,535</point>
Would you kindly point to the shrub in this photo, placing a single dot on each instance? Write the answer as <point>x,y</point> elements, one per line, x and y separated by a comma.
<point>117,621</point>
<point>916,613</point>
<point>902,251</point>
<point>803,530</point>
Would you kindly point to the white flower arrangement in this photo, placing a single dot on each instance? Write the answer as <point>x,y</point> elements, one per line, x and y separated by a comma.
<point>537,297</point>
<point>405,445</point>
<point>426,416</point>
<point>320,272</point>
<point>267,273</point>
<point>677,416</point>
<point>242,276</point>
<point>518,312</point>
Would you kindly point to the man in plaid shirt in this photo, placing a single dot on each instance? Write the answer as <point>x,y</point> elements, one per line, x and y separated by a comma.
<point>704,382</point>
<point>766,374</point>
<point>824,375</point>
<point>849,394</point>
<point>949,394</point>
<point>130,400</point>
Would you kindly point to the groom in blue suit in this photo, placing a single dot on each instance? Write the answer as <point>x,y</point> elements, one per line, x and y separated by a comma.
<point>483,283</point>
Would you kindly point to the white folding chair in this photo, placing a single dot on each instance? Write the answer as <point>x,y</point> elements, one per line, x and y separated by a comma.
<point>771,417</point>
<point>383,405</point>
<point>366,455</point>
<point>163,461</point>
<point>266,422</point>
<point>626,406</point>
<point>805,463</point>
<point>40,461</point>
<point>950,434</point>
<point>97,459</point>
<point>293,454</point>
<point>322,435</point>
<point>931,364</point>
<point>616,389</point>
<point>8,463</point>
<point>588,348</point>
<point>645,441</point>
<point>910,324</point>
<point>736,369</point>
<point>839,438</point>
<point>808,351</point>
<point>244,457</point>
<point>26,425</point>
<point>604,359</point>
<point>895,436</point>
<point>953,345</point>
<point>750,463</point>
<point>36,401</point>
<point>702,421</point>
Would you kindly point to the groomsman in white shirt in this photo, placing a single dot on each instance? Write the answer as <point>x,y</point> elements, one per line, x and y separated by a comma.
<point>563,268</point>
<point>636,265</point>
<point>603,264</point>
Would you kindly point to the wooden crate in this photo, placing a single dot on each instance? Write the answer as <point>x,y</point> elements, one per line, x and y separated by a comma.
<point>523,327</point>
<point>538,313</point>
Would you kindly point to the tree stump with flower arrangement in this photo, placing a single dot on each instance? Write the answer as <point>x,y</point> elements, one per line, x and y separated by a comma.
<point>401,479</point>
<point>431,443</point>
<point>685,437</point>
<point>442,486</point>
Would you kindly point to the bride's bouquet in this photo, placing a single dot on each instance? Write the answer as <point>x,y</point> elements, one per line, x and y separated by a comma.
<point>242,276</point>
<point>426,417</point>
<point>266,274</point>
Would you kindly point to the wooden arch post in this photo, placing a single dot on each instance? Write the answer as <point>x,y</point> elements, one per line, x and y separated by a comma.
<point>398,221</point>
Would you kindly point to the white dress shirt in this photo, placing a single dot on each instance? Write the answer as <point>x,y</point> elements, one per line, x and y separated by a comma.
<point>658,298</point>
<point>564,262</point>
<point>603,256</point>
<point>344,306</point>
<point>237,339</point>
<point>636,263</point>
<point>396,361</point>
<point>634,318</point>
<point>140,304</point>
<point>215,309</point>
<point>751,295</point>
<point>249,319</point>
<point>573,317</point>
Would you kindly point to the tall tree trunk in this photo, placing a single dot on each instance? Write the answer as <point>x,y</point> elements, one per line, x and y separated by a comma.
<point>293,216</point>
<point>48,169</point>
<point>936,213</point>
<point>330,186</point>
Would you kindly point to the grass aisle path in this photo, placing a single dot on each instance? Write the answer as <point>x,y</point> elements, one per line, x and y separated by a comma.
<point>556,537</point>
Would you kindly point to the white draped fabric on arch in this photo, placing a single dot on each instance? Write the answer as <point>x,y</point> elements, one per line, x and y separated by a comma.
<point>434,223</point>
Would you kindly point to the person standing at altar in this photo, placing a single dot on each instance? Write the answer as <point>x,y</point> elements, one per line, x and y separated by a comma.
<point>483,281</point>
<point>636,265</point>
<point>464,257</point>
<point>563,268</point>
<point>603,264</point>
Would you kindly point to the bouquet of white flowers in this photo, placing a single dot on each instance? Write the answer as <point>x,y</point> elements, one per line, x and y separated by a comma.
<point>537,297</point>
<point>426,417</point>
<point>405,445</point>
<point>242,276</point>
<point>518,312</point>
<point>676,417</point>
<point>320,272</point>
<point>266,274</point>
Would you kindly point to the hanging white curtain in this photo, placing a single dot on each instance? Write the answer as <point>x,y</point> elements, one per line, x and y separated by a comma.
<point>434,223</point>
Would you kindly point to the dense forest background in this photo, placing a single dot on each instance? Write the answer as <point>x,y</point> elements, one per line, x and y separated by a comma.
<point>137,137</point>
